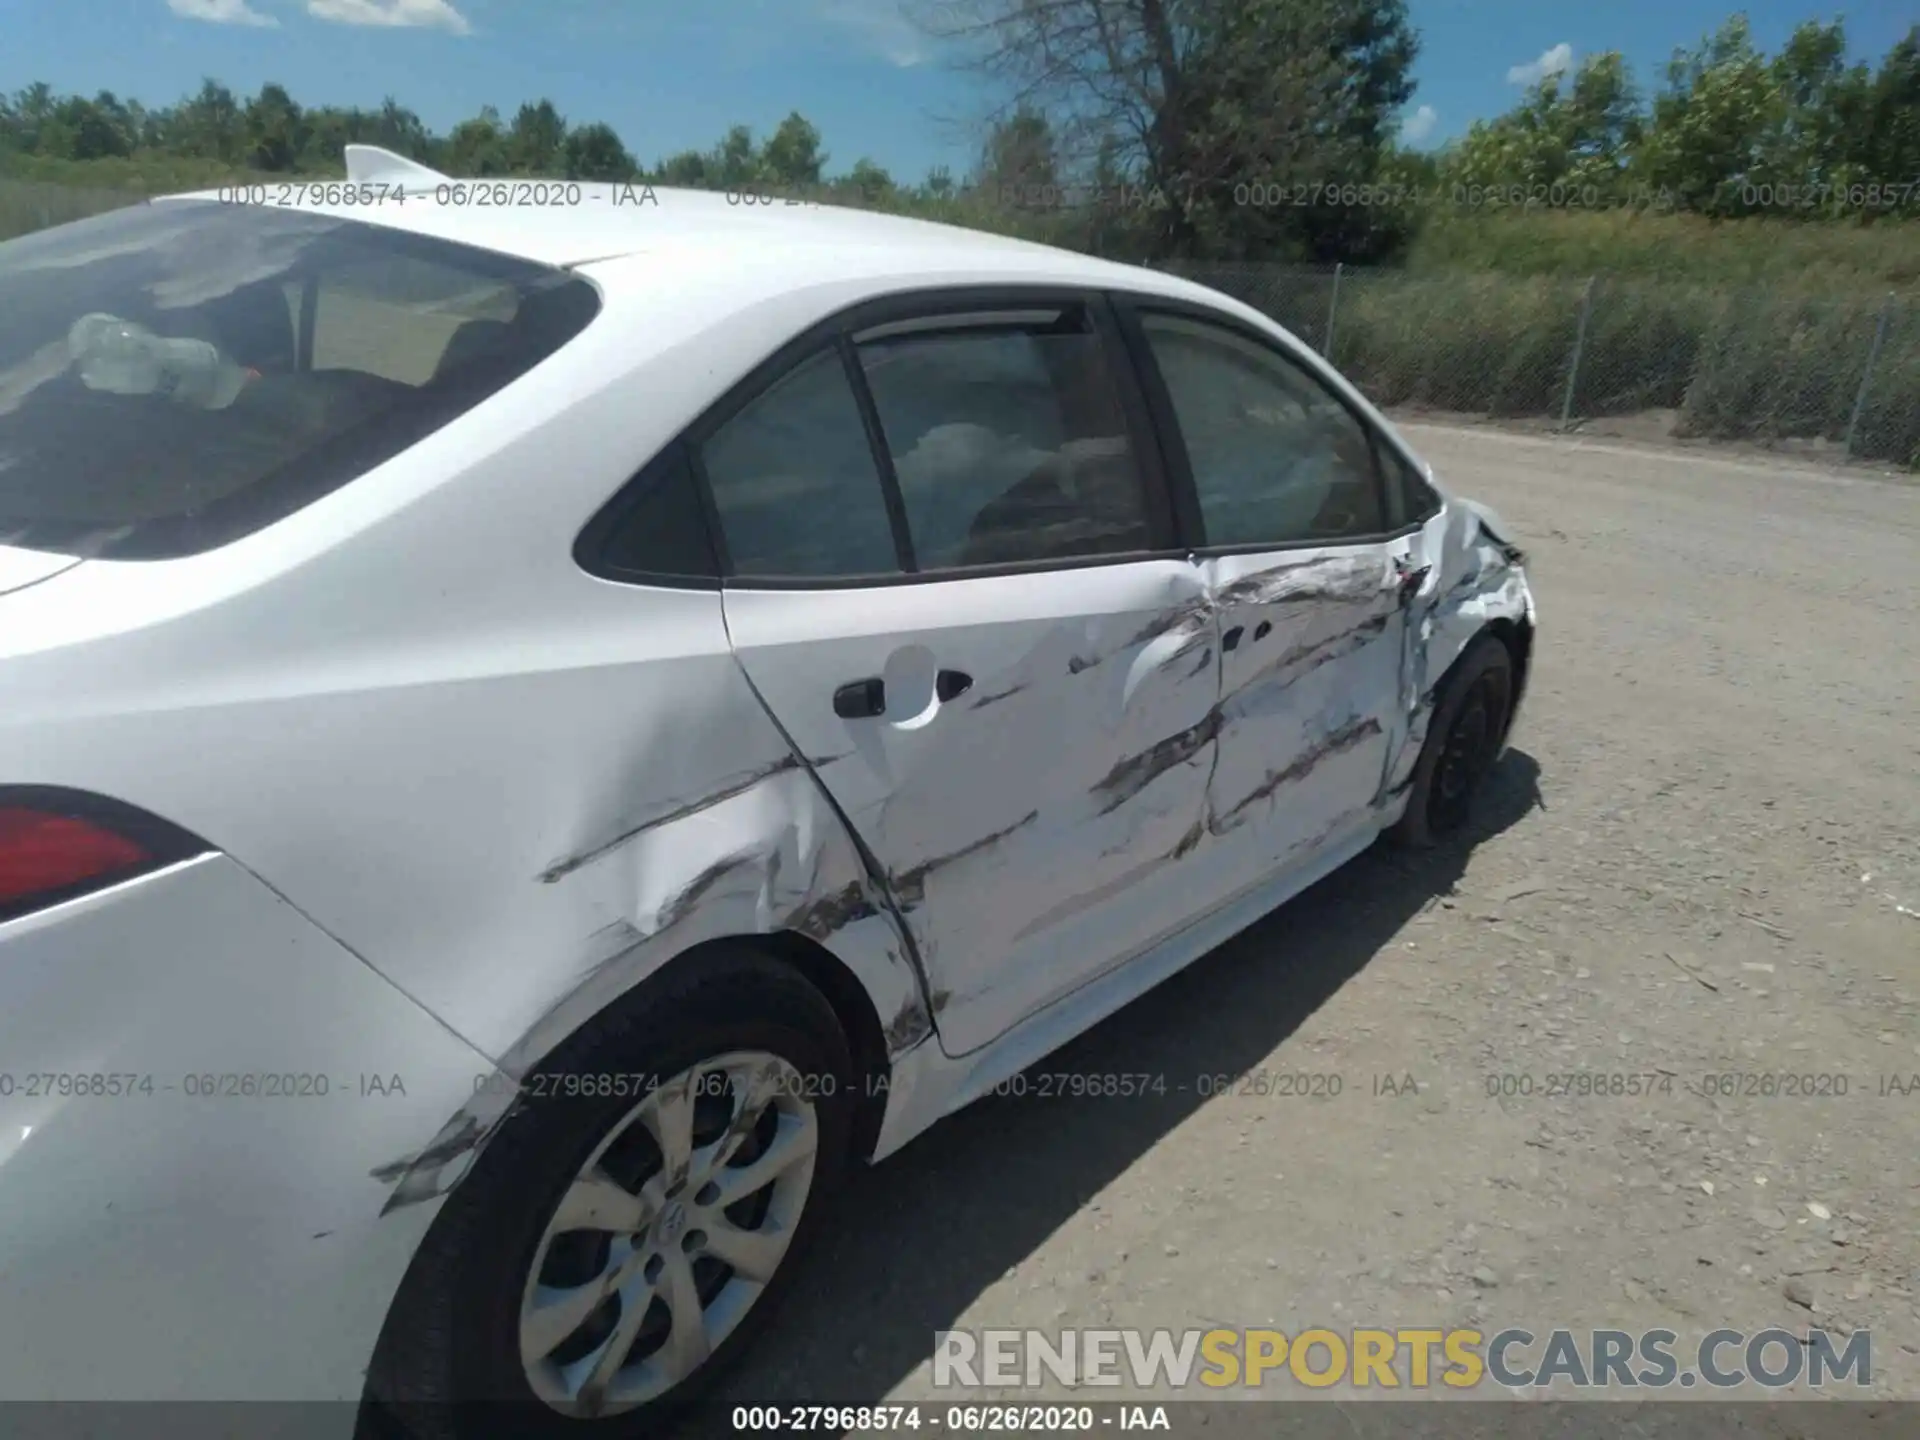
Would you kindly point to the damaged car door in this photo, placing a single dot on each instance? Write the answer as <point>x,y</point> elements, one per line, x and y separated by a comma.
<point>952,580</point>
<point>1311,583</point>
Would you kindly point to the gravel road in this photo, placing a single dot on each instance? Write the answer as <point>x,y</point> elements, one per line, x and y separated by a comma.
<point>1693,865</point>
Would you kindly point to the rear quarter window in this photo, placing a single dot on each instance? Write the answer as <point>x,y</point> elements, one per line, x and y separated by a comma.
<point>177,375</point>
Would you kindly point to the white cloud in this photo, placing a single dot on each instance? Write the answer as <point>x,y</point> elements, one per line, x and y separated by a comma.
<point>220,12</point>
<point>1551,62</point>
<point>428,14</point>
<point>881,26</point>
<point>1419,125</point>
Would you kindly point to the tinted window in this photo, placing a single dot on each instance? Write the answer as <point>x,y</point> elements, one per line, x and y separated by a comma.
<point>794,480</point>
<point>658,527</point>
<point>1009,443</point>
<point>1277,459</point>
<point>176,375</point>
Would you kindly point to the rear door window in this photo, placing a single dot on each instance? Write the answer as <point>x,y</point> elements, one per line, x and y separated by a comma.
<point>1008,439</point>
<point>176,375</point>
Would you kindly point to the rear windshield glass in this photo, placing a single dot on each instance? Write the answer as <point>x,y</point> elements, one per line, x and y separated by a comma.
<point>176,375</point>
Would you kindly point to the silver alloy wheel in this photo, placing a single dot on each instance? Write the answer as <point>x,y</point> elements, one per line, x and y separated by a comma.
<point>585,1340</point>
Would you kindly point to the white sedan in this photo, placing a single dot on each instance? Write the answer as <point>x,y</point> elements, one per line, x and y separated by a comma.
<point>534,734</point>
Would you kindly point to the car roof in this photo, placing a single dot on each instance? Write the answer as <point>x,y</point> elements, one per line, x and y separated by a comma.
<point>569,224</point>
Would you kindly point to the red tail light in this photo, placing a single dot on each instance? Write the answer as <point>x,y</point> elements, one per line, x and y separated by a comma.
<point>58,844</point>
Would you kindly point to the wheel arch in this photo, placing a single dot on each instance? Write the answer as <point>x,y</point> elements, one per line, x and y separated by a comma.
<point>852,1000</point>
<point>1517,636</point>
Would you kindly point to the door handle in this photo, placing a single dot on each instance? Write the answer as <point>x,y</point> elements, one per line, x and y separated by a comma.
<point>1262,630</point>
<point>861,699</point>
<point>952,684</point>
<point>1232,638</point>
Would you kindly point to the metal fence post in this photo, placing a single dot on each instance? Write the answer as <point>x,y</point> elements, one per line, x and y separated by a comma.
<point>1579,344</point>
<point>1333,308</point>
<point>1866,376</point>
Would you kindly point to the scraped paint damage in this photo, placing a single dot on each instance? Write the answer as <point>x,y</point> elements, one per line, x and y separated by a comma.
<point>751,856</point>
<point>1336,742</point>
<point>1479,580</point>
<point>763,849</point>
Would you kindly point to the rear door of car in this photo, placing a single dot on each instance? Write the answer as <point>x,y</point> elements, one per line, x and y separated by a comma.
<point>951,576</point>
<point>1310,564</point>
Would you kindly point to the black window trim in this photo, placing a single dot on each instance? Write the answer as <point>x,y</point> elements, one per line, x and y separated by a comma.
<point>840,332</point>
<point>1419,472</point>
<point>593,546</point>
<point>891,494</point>
<point>1131,308</point>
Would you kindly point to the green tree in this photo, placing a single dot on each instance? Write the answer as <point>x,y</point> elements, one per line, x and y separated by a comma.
<point>690,169</point>
<point>1709,127</point>
<point>792,157</point>
<point>398,129</point>
<point>275,130</point>
<point>1818,100</point>
<point>1196,98</point>
<point>209,126</point>
<point>479,146</point>
<point>736,164</point>
<point>594,152</point>
<point>1575,132</point>
<point>32,112</point>
<point>869,182</point>
<point>537,142</point>
<point>1020,155</point>
<point>1296,95</point>
<point>1886,131</point>
<point>81,129</point>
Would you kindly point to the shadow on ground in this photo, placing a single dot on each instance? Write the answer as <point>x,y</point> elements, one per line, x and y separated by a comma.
<point>920,1236</point>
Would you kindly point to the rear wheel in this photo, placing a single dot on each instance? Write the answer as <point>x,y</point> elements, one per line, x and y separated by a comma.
<point>1464,736</point>
<point>610,1254</point>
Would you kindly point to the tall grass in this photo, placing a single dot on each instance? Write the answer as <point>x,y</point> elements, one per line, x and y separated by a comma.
<point>28,205</point>
<point>1806,254</point>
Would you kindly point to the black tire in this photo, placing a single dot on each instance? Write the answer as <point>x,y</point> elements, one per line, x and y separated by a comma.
<point>449,1366</point>
<point>1464,737</point>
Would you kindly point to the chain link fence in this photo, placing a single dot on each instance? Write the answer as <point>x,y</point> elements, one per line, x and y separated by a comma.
<point>1759,365</point>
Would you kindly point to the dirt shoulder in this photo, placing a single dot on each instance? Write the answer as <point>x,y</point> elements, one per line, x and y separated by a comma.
<point>1692,867</point>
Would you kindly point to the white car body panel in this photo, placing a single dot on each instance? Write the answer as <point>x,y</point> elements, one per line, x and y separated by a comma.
<point>1027,829</point>
<point>21,568</point>
<point>474,794</point>
<point>135,1221</point>
<point>1309,708</point>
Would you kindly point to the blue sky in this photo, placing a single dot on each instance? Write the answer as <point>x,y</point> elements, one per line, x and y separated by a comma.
<point>673,74</point>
